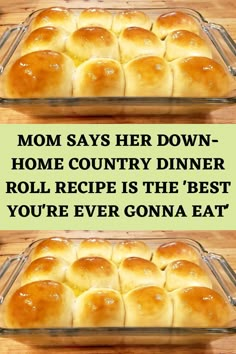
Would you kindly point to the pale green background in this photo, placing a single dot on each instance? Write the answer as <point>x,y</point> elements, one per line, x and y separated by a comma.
<point>225,149</point>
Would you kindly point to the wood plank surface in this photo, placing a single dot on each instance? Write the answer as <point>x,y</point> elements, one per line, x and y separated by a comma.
<point>220,11</point>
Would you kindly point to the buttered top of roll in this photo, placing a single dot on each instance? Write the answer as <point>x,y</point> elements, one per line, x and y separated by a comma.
<point>148,306</point>
<point>55,16</point>
<point>55,247</point>
<point>99,308</point>
<point>48,37</point>
<point>199,307</point>
<point>45,268</point>
<point>184,43</point>
<point>99,77</point>
<point>94,247</point>
<point>95,17</point>
<point>136,271</point>
<point>180,274</point>
<point>92,42</point>
<point>172,21</point>
<point>40,304</point>
<point>199,77</point>
<point>92,272</point>
<point>40,74</point>
<point>173,251</point>
<point>148,76</point>
<point>128,18</point>
<point>130,248</point>
<point>136,41</point>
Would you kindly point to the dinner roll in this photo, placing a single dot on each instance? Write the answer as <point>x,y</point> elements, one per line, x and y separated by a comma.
<point>136,271</point>
<point>99,77</point>
<point>148,306</point>
<point>40,74</point>
<point>55,247</point>
<point>40,304</point>
<point>99,308</point>
<point>95,17</point>
<point>199,77</point>
<point>92,42</point>
<point>45,268</point>
<point>129,18</point>
<point>148,76</point>
<point>184,43</point>
<point>174,251</point>
<point>136,41</point>
<point>55,16</point>
<point>130,248</point>
<point>94,247</point>
<point>180,274</point>
<point>199,307</point>
<point>49,37</point>
<point>92,272</point>
<point>172,21</point>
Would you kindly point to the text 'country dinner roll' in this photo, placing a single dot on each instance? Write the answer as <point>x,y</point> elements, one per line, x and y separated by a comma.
<point>95,17</point>
<point>40,74</point>
<point>137,41</point>
<point>199,307</point>
<point>99,308</point>
<point>199,77</point>
<point>55,247</point>
<point>148,306</point>
<point>55,16</point>
<point>182,273</point>
<point>148,76</point>
<point>45,38</point>
<point>184,43</point>
<point>92,42</point>
<point>136,271</point>
<point>99,77</point>
<point>129,18</point>
<point>130,248</point>
<point>94,247</point>
<point>40,304</point>
<point>92,272</point>
<point>172,21</point>
<point>45,268</point>
<point>174,251</point>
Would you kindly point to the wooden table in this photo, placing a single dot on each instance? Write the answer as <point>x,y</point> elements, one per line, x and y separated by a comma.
<point>221,242</point>
<point>219,11</point>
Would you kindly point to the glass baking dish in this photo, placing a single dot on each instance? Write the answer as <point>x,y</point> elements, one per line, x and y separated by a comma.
<point>223,279</point>
<point>223,48</point>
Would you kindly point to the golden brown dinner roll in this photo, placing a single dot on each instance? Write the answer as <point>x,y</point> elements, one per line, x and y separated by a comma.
<point>40,74</point>
<point>49,37</point>
<point>55,247</point>
<point>199,307</point>
<point>92,42</point>
<point>136,271</point>
<point>136,41</point>
<point>92,272</point>
<point>199,77</point>
<point>95,17</point>
<point>130,248</point>
<point>148,76</point>
<point>55,16</point>
<point>97,247</point>
<point>45,268</point>
<point>99,77</point>
<point>148,306</point>
<point>43,304</point>
<point>174,251</point>
<point>99,308</point>
<point>129,18</point>
<point>180,274</point>
<point>184,43</point>
<point>172,21</point>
